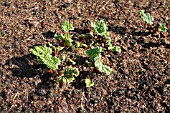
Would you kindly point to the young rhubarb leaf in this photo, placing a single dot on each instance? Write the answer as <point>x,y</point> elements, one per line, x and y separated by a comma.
<point>115,49</point>
<point>98,64</point>
<point>66,26</point>
<point>88,82</point>
<point>106,69</point>
<point>94,53</point>
<point>69,75</point>
<point>44,55</point>
<point>101,28</point>
<point>162,27</point>
<point>66,38</point>
<point>102,68</point>
<point>146,17</point>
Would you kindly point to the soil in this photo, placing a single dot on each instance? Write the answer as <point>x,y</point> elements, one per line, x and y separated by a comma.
<point>139,83</point>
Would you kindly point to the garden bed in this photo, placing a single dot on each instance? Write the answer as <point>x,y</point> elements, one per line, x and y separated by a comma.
<point>140,77</point>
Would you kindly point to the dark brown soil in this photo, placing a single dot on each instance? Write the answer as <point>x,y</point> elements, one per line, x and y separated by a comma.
<point>140,82</point>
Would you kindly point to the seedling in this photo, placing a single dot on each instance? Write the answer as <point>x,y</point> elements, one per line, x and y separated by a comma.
<point>162,27</point>
<point>66,38</point>
<point>66,26</point>
<point>88,82</point>
<point>95,55</point>
<point>68,75</point>
<point>100,28</point>
<point>149,21</point>
<point>112,48</point>
<point>57,64</point>
<point>146,17</point>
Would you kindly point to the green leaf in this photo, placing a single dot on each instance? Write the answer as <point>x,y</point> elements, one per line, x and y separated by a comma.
<point>162,27</point>
<point>106,69</point>
<point>89,63</point>
<point>66,26</point>
<point>94,53</point>
<point>108,42</point>
<point>100,28</point>
<point>77,45</point>
<point>67,39</point>
<point>115,49</point>
<point>102,68</point>
<point>68,79</point>
<point>146,17</point>
<point>51,62</point>
<point>68,75</point>
<point>41,50</point>
<point>98,64</point>
<point>44,55</point>
<point>88,82</point>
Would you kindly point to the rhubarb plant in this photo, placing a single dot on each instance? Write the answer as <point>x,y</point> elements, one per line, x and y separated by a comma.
<point>66,26</point>
<point>68,75</point>
<point>95,55</point>
<point>162,27</point>
<point>101,28</point>
<point>111,47</point>
<point>149,21</point>
<point>66,38</point>
<point>146,17</point>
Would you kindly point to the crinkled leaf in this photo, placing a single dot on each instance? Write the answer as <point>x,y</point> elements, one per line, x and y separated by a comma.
<point>44,55</point>
<point>41,50</point>
<point>88,82</point>
<point>101,28</point>
<point>68,75</point>
<point>94,53</point>
<point>98,64</point>
<point>146,17</point>
<point>163,27</point>
<point>106,69</point>
<point>102,68</point>
<point>67,39</point>
<point>115,49</point>
<point>66,26</point>
<point>51,62</point>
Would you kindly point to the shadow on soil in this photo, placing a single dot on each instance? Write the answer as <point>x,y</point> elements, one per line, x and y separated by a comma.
<point>26,66</point>
<point>48,34</point>
<point>152,44</point>
<point>117,29</point>
<point>22,67</point>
